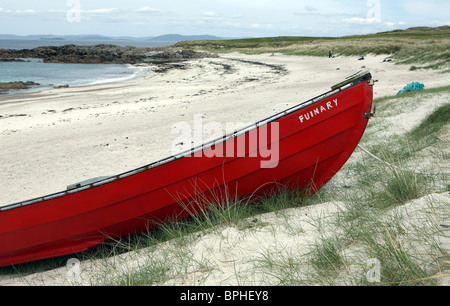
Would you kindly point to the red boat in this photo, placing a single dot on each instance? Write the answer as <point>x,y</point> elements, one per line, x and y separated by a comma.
<point>307,145</point>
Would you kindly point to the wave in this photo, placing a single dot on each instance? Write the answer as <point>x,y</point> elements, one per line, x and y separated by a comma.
<point>51,75</point>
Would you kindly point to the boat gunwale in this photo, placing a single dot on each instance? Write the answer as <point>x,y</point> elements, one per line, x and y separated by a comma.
<point>361,76</point>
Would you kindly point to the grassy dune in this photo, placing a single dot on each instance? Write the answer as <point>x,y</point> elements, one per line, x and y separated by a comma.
<point>424,48</point>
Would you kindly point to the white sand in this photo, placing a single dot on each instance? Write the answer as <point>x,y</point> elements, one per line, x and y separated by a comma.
<point>70,135</point>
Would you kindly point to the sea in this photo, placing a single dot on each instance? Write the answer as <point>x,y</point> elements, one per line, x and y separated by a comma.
<point>50,75</point>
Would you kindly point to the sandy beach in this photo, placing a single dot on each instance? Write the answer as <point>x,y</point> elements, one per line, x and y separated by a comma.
<point>63,136</point>
<point>59,137</point>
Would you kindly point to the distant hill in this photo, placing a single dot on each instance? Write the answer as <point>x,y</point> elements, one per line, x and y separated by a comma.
<point>418,31</point>
<point>178,37</point>
<point>163,38</point>
<point>58,37</point>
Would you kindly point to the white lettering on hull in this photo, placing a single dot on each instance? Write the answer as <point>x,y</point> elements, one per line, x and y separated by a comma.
<point>318,111</point>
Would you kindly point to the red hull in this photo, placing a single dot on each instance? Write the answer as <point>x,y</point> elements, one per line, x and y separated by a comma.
<point>315,139</point>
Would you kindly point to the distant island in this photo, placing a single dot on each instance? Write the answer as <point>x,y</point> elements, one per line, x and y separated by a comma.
<point>178,37</point>
<point>162,38</point>
<point>56,38</point>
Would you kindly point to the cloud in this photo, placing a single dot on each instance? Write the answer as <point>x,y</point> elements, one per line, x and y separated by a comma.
<point>359,20</point>
<point>57,11</point>
<point>371,21</point>
<point>392,24</point>
<point>437,23</point>
<point>25,11</point>
<point>310,8</point>
<point>147,9</point>
<point>209,14</point>
<point>266,26</point>
<point>310,11</point>
<point>236,16</point>
<point>101,11</point>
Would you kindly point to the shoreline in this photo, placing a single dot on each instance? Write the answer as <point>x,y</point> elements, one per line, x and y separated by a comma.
<point>100,54</point>
<point>141,71</point>
<point>58,137</point>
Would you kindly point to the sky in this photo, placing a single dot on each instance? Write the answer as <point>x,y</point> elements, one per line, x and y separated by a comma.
<point>223,18</point>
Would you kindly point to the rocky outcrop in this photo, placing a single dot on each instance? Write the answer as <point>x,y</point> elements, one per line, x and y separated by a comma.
<point>105,54</point>
<point>4,87</point>
<point>164,58</point>
<point>11,60</point>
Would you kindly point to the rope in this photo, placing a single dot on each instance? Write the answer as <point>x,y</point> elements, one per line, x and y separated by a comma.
<point>395,167</point>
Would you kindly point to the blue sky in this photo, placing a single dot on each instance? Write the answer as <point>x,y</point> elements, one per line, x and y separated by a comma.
<point>225,18</point>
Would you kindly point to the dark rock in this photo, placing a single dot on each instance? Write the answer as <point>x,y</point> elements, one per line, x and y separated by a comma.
<point>105,54</point>
<point>16,85</point>
<point>61,86</point>
<point>11,60</point>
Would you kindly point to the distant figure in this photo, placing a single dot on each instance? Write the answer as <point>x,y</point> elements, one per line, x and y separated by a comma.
<point>361,58</point>
<point>330,54</point>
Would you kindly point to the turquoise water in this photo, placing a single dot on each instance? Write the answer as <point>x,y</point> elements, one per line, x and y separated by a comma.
<point>50,75</point>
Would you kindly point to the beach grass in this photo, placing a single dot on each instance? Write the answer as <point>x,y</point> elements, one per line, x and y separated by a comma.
<point>423,48</point>
<point>434,123</point>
